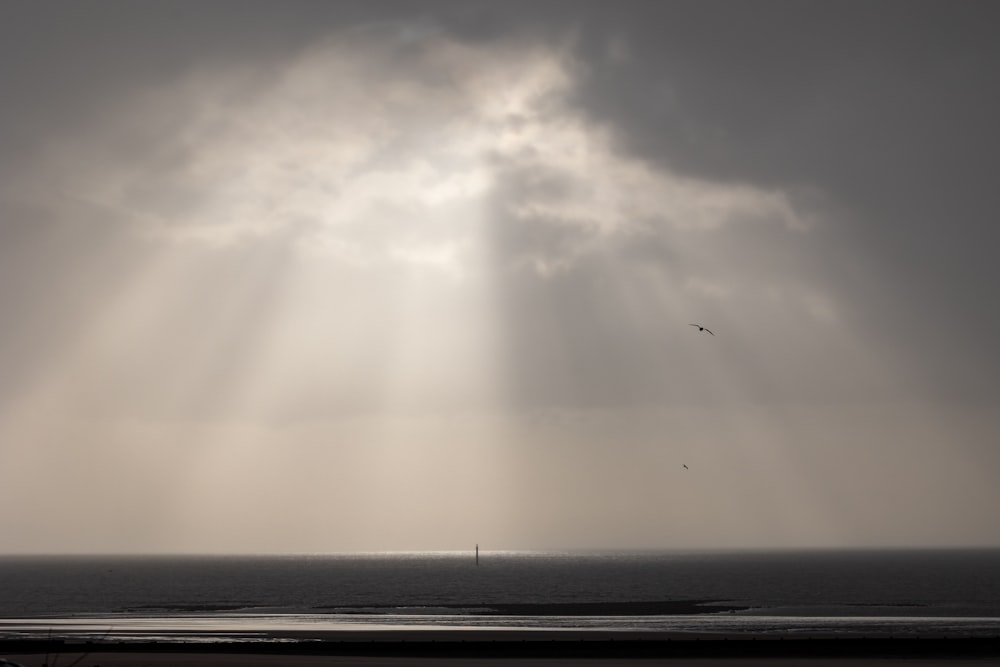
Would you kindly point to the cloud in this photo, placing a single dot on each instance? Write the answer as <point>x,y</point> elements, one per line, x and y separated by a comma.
<point>408,174</point>
<point>408,252</point>
<point>886,113</point>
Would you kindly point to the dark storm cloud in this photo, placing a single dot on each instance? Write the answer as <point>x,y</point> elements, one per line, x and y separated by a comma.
<point>888,108</point>
<point>64,64</point>
<point>886,111</point>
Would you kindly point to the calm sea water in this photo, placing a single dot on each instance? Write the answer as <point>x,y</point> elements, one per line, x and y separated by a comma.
<point>895,592</point>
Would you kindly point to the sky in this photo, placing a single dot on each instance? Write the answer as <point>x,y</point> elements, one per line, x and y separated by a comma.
<point>365,276</point>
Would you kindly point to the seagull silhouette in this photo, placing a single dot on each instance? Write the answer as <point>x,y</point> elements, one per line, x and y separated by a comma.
<point>685,466</point>
<point>701,328</point>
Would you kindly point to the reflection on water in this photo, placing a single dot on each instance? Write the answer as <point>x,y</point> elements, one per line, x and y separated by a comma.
<point>842,593</point>
<point>304,627</point>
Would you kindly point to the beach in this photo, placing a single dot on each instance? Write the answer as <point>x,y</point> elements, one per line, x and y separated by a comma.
<point>216,660</point>
<point>520,649</point>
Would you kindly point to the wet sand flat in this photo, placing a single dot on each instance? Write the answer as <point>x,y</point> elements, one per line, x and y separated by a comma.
<point>514,649</point>
<point>243,660</point>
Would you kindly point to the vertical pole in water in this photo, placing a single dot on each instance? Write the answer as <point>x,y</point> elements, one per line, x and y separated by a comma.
<point>477,555</point>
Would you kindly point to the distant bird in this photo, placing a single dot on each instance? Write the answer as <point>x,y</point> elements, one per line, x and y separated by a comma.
<point>701,328</point>
<point>685,466</point>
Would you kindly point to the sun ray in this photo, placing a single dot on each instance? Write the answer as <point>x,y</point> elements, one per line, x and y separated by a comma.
<point>402,289</point>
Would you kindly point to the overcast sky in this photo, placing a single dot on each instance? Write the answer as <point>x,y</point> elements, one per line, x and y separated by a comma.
<point>318,276</point>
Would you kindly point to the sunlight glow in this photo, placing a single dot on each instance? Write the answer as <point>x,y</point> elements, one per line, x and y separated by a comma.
<point>401,291</point>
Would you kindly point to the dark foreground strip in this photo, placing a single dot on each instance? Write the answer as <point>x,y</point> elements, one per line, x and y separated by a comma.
<point>557,648</point>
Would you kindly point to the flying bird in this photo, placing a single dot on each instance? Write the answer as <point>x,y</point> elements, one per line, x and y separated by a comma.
<point>685,466</point>
<point>701,328</point>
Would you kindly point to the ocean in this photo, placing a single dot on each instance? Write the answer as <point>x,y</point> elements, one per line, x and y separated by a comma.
<point>953,593</point>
